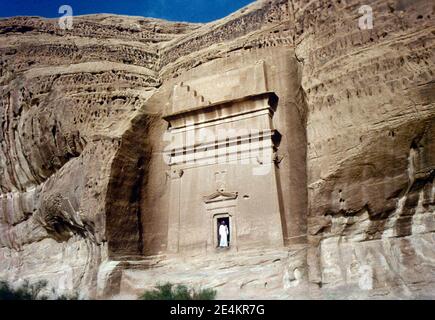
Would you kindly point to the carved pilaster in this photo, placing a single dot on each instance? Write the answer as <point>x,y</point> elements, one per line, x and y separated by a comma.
<point>175,173</point>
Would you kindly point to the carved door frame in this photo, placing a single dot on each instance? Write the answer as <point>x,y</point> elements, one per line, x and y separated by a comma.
<point>223,213</point>
<point>219,207</point>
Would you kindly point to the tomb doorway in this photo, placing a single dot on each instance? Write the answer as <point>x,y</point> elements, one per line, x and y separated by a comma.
<point>220,221</point>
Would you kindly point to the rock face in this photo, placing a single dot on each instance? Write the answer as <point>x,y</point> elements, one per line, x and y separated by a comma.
<point>86,194</point>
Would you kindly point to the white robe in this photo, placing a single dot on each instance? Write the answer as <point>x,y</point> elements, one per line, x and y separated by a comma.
<point>223,233</point>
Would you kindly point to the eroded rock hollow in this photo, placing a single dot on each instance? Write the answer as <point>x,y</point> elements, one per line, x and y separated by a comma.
<point>112,135</point>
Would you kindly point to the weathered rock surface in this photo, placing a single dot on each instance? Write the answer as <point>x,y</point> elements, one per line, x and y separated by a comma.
<point>83,185</point>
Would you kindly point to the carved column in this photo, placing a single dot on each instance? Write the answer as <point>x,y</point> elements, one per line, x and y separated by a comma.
<point>174,211</point>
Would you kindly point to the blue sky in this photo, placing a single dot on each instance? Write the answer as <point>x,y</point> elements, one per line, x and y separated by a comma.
<point>175,10</point>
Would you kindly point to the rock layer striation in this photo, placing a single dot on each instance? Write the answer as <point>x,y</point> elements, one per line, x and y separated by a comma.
<point>83,185</point>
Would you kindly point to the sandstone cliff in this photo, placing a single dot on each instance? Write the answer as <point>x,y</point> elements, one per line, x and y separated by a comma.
<point>83,185</point>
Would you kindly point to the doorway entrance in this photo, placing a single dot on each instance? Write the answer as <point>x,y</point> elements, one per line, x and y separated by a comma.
<point>224,232</point>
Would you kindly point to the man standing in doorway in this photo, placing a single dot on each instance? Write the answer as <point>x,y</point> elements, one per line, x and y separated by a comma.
<point>223,234</point>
